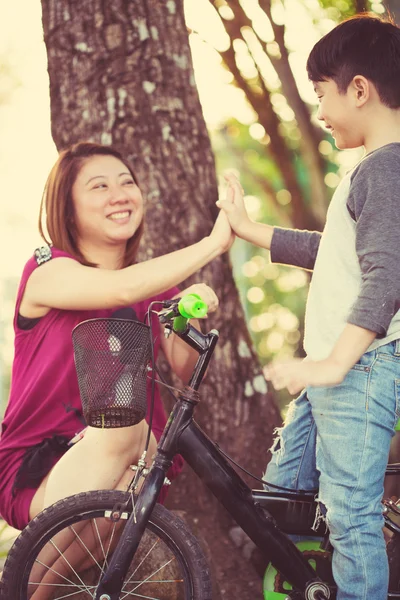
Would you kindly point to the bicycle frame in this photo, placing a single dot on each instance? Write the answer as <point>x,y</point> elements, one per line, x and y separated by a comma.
<point>248,508</point>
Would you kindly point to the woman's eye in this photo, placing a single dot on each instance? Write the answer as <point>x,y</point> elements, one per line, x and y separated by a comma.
<point>99,186</point>
<point>129,182</point>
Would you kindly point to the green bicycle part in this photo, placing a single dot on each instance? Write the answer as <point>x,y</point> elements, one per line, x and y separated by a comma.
<point>190,306</point>
<point>272,579</point>
<point>179,324</point>
<point>397,428</point>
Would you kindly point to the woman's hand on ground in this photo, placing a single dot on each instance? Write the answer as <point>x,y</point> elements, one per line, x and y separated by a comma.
<point>296,374</point>
<point>206,293</point>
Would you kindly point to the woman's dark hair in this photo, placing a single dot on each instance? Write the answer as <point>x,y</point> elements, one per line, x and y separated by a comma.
<point>58,206</point>
<point>365,45</point>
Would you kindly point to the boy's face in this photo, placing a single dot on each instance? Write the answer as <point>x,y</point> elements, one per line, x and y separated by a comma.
<point>339,113</point>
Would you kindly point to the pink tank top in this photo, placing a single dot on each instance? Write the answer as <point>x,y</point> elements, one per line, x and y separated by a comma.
<point>44,398</point>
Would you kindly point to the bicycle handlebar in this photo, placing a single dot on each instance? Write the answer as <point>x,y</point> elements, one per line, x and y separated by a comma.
<point>180,310</point>
<point>192,306</point>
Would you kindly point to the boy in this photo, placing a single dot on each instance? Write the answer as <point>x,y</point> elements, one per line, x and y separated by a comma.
<point>338,431</point>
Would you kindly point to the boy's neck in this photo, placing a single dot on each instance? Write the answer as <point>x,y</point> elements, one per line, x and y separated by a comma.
<point>384,128</point>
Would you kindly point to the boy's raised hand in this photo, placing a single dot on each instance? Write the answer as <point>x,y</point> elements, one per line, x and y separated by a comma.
<point>233,205</point>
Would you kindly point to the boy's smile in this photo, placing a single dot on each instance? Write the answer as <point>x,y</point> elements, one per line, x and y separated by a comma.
<point>339,113</point>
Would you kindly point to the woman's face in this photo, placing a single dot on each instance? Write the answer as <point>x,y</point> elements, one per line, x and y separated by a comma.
<point>108,205</point>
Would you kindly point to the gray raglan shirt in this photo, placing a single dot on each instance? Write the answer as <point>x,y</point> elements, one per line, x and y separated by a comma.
<point>356,260</point>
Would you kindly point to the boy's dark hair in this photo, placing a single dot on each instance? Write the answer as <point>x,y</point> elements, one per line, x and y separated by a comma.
<point>365,45</point>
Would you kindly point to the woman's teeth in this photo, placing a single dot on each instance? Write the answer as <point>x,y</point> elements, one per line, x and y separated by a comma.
<point>120,215</point>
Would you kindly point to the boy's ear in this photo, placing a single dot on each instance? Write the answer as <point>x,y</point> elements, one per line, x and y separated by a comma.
<point>361,89</point>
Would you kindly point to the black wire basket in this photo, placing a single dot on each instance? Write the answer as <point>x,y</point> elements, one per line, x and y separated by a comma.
<point>111,359</point>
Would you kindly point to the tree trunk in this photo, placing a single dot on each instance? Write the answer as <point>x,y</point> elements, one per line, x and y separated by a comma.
<point>121,73</point>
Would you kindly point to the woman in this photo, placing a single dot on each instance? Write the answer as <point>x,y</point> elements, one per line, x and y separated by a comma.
<point>94,212</point>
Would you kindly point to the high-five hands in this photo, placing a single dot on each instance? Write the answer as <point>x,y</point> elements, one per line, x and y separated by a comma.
<point>233,204</point>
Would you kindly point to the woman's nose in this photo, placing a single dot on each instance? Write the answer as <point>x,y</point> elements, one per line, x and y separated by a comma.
<point>118,194</point>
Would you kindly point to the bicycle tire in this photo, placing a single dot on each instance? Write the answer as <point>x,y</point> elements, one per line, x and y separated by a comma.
<point>185,577</point>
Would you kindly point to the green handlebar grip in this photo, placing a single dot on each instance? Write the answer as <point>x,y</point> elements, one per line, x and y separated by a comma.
<point>192,306</point>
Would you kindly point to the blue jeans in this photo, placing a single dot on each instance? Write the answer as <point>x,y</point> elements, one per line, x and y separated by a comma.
<point>337,439</point>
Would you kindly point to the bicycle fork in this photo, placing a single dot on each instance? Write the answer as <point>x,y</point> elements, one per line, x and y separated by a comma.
<point>112,581</point>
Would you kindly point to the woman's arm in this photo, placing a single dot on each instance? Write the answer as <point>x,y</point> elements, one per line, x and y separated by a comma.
<point>66,284</point>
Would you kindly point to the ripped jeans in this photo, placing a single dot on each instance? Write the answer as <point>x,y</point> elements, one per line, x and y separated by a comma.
<point>337,439</point>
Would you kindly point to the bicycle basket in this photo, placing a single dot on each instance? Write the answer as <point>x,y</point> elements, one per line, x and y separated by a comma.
<point>111,358</point>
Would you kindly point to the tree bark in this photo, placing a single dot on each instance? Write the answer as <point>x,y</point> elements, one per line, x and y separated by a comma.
<point>121,73</point>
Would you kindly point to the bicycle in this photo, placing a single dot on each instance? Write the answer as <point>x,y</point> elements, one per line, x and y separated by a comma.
<point>115,536</point>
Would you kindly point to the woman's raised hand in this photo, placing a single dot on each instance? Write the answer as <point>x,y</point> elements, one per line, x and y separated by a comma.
<point>222,232</point>
<point>233,205</point>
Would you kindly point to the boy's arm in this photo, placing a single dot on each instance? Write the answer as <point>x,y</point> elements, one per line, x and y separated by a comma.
<point>374,203</point>
<point>296,374</point>
<point>295,247</point>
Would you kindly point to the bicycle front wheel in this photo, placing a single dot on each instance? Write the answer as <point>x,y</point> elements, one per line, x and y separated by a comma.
<point>65,550</point>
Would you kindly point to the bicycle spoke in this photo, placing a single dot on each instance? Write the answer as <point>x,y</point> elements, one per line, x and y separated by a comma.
<point>109,545</point>
<point>68,563</point>
<point>79,591</point>
<point>145,580</point>
<point>99,536</point>
<point>53,571</point>
<point>86,548</point>
<point>105,565</point>
<point>142,561</point>
<point>62,585</point>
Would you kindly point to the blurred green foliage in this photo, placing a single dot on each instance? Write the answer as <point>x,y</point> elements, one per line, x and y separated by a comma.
<point>342,9</point>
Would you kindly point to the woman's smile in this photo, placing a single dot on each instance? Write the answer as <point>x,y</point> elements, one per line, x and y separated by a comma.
<point>120,217</point>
